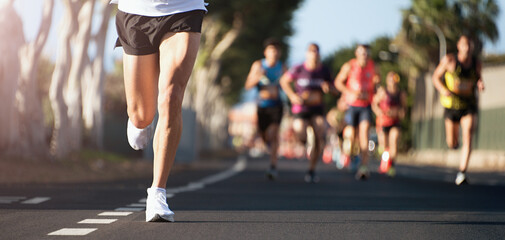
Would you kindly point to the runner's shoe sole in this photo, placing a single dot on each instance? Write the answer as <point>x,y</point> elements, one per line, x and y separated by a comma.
<point>158,218</point>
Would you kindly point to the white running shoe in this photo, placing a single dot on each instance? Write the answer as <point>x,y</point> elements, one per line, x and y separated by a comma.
<point>139,138</point>
<point>460,179</point>
<point>156,206</point>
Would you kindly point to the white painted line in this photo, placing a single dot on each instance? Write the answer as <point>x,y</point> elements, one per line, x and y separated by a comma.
<point>36,200</point>
<point>97,221</point>
<point>143,200</point>
<point>115,214</point>
<point>137,205</point>
<point>170,195</point>
<point>239,166</point>
<point>129,209</point>
<point>10,199</point>
<point>73,231</point>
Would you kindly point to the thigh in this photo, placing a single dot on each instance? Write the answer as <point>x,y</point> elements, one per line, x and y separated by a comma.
<point>177,57</point>
<point>467,123</point>
<point>141,78</point>
<point>300,126</point>
<point>318,125</point>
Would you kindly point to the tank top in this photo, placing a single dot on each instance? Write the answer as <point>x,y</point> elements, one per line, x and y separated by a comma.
<point>462,83</point>
<point>391,101</point>
<point>270,80</point>
<point>361,80</point>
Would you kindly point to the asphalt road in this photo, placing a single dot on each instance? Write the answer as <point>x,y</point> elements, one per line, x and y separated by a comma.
<point>233,200</point>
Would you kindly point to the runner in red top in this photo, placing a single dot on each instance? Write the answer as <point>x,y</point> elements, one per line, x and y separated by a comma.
<point>356,80</point>
<point>389,106</point>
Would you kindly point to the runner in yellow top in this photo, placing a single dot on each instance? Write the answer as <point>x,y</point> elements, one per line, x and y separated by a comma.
<point>457,78</point>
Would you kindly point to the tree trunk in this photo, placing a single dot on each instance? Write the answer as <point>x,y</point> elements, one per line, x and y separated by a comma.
<point>12,30</point>
<point>32,141</point>
<point>61,131</point>
<point>93,90</point>
<point>73,93</point>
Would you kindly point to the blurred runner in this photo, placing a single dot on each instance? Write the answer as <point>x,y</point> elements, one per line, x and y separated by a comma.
<point>356,80</point>
<point>311,80</point>
<point>265,75</point>
<point>389,106</point>
<point>457,78</point>
<point>335,118</point>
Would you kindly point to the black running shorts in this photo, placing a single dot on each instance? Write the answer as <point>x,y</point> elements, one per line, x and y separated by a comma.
<point>142,35</point>
<point>455,115</point>
<point>268,116</point>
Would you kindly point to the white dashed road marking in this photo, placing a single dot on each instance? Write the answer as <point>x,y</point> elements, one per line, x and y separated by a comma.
<point>115,214</point>
<point>10,199</point>
<point>129,209</point>
<point>97,221</point>
<point>36,200</point>
<point>73,231</point>
<point>140,206</point>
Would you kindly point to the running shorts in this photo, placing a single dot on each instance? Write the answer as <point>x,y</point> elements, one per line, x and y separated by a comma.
<point>268,116</point>
<point>355,115</point>
<point>142,35</point>
<point>455,115</point>
<point>310,112</point>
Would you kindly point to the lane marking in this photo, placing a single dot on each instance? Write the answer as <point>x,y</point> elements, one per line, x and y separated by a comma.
<point>97,221</point>
<point>137,205</point>
<point>73,231</point>
<point>115,214</point>
<point>10,199</point>
<point>238,167</point>
<point>129,209</point>
<point>36,200</point>
<point>143,200</point>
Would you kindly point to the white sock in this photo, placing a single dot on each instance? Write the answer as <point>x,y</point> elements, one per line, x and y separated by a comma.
<point>138,138</point>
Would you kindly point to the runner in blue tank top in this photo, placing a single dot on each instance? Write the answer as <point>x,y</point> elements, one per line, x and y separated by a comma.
<point>265,75</point>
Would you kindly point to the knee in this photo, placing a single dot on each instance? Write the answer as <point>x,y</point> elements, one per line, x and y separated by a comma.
<point>141,118</point>
<point>170,100</point>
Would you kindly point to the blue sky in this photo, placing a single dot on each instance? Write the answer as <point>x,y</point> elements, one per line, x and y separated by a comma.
<point>330,23</point>
<point>334,24</point>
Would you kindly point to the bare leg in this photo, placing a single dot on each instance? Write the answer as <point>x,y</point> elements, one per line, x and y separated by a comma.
<point>467,126</point>
<point>317,124</point>
<point>177,56</point>
<point>451,133</point>
<point>394,135</point>
<point>272,136</point>
<point>364,126</point>
<point>141,79</point>
<point>300,128</point>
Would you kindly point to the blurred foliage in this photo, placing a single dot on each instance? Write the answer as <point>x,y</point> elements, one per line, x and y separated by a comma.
<point>262,19</point>
<point>494,59</point>
<point>418,41</point>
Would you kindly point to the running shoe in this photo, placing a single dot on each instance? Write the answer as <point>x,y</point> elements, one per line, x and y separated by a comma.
<point>461,179</point>
<point>362,173</point>
<point>311,177</point>
<point>139,138</point>
<point>385,162</point>
<point>271,173</point>
<point>157,209</point>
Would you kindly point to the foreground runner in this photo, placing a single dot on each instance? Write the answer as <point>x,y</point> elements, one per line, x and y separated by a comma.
<point>457,78</point>
<point>389,107</point>
<point>265,75</point>
<point>356,80</point>
<point>160,42</point>
<point>311,80</point>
